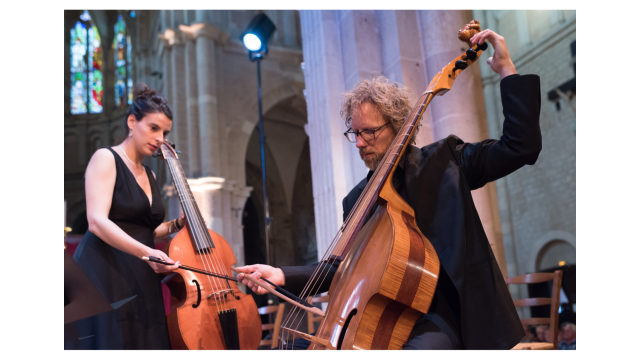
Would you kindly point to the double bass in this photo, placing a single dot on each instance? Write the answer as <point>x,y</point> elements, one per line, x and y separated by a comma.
<point>388,270</point>
<point>208,313</point>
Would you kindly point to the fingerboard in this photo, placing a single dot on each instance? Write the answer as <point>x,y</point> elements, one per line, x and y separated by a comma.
<point>197,228</point>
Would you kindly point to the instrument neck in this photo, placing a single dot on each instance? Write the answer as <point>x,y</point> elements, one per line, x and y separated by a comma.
<point>197,227</point>
<point>385,169</point>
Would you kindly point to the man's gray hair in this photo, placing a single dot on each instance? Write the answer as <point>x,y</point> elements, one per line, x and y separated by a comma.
<point>392,100</point>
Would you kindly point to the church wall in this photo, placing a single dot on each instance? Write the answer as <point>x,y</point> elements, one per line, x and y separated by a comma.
<point>538,203</point>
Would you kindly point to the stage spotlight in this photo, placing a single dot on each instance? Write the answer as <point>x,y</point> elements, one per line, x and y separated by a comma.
<point>252,42</point>
<point>256,37</point>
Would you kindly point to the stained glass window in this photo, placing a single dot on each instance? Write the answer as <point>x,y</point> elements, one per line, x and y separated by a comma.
<point>86,67</point>
<point>122,54</point>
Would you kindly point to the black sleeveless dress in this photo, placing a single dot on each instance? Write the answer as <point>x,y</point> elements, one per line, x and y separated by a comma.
<point>141,323</point>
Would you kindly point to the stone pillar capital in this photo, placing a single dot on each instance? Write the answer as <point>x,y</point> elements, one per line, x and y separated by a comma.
<point>206,183</point>
<point>172,37</point>
<point>205,30</point>
<point>242,191</point>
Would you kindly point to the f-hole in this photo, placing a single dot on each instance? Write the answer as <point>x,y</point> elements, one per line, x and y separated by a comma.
<point>345,327</point>
<point>199,295</point>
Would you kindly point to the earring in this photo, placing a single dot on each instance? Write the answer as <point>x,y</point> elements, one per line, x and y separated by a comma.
<point>130,132</point>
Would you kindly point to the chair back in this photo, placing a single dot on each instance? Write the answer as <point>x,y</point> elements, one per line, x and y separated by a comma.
<point>553,301</point>
<point>273,327</point>
<point>313,319</point>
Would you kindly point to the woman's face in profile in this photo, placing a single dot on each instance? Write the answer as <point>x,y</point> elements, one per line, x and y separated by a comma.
<point>150,132</point>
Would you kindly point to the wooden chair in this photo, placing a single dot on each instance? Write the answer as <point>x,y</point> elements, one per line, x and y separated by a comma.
<point>275,326</point>
<point>554,301</point>
<point>313,319</point>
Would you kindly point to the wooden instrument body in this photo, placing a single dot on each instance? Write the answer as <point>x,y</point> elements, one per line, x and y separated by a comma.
<point>386,281</point>
<point>199,328</point>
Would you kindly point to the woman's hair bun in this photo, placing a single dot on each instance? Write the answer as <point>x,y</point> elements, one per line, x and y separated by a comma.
<point>142,92</point>
<point>146,101</point>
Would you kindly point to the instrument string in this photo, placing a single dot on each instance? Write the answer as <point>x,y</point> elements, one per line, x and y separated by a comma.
<point>209,246</point>
<point>179,180</point>
<point>212,257</point>
<point>188,213</point>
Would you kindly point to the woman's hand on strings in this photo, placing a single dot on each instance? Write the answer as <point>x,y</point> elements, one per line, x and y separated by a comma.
<point>159,268</point>
<point>182,221</point>
<point>275,275</point>
<point>500,62</point>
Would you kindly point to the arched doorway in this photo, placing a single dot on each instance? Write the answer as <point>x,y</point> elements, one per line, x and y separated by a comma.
<point>288,167</point>
<point>555,253</point>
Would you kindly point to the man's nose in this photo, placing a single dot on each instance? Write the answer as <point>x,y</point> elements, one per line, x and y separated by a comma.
<point>360,143</point>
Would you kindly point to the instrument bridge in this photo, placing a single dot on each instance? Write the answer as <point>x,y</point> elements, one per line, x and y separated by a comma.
<point>222,293</point>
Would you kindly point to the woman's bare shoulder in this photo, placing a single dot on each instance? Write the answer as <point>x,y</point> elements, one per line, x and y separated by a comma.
<point>102,160</point>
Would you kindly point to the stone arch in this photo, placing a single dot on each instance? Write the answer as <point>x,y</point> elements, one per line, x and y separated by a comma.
<point>243,125</point>
<point>281,249</point>
<point>302,212</point>
<point>555,252</point>
<point>539,246</point>
<point>284,118</point>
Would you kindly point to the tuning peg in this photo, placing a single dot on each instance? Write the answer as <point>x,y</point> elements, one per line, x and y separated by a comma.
<point>461,65</point>
<point>178,152</point>
<point>471,54</point>
<point>482,46</point>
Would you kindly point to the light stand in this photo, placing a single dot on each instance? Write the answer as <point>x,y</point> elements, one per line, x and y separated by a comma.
<point>267,219</point>
<point>255,39</point>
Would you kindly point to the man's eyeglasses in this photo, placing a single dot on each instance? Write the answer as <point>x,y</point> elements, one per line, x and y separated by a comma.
<point>366,135</point>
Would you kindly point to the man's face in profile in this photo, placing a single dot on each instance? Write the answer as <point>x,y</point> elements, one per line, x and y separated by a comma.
<point>368,117</point>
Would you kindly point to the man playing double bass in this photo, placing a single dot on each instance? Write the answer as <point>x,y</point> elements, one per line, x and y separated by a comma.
<point>472,307</point>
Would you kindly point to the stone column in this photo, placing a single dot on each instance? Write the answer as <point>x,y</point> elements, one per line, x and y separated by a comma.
<point>360,46</point>
<point>238,198</point>
<point>206,191</point>
<point>178,99</point>
<point>461,111</point>
<point>193,120</point>
<point>207,99</point>
<point>220,201</point>
<point>523,28</point>
<point>332,172</point>
<point>402,59</point>
<point>173,203</point>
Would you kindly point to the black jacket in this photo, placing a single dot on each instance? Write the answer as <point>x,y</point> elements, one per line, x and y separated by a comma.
<point>439,179</point>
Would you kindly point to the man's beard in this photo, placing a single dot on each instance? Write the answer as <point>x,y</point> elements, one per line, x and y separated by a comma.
<point>372,162</point>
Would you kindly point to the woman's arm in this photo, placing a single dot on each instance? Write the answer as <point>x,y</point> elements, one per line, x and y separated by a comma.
<point>167,228</point>
<point>100,179</point>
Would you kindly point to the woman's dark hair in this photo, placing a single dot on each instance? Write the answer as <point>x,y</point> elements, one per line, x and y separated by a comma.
<point>146,102</point>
